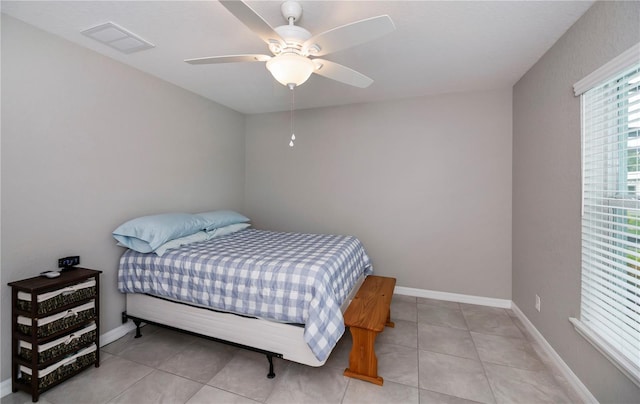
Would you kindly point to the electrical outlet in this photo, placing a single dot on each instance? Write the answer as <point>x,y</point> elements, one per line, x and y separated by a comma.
<point>538,303</point>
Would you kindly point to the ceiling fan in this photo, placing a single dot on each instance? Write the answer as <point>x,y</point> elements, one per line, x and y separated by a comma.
<point>295,51</point>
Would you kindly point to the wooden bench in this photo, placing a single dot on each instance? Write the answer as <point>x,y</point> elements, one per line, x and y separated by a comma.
<point>366,316</point>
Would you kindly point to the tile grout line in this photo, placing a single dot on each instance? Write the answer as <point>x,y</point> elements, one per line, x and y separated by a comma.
<point>156,368</point>
<point>138,381</point>
<point>525,337</point>
<point>528,341</point>
<point>285,368</point>
<point>484,369</point>
<point>194,393</point>
<point>125,390</point>
<point>550,365</point>
<point>344,394</point>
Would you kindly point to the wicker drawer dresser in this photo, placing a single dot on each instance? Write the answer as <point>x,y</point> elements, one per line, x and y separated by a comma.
<point>55,329</point>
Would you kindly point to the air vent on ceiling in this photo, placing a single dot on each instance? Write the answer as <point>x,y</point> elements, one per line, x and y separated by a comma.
<point>118,38</point>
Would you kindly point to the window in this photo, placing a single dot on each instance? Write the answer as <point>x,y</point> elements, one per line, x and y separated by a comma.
<point>610,304</point>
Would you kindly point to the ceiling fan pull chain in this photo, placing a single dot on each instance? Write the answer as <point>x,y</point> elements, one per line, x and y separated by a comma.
<point>293,100</point>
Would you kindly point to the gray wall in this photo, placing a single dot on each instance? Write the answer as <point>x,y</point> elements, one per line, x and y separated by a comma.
<point>425,183</point>
<point>546,189</point>
<point>88,143</point>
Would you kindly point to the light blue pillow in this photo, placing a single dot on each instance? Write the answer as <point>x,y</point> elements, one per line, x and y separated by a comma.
<point>221,218</point>
<point>146,233</point>
<point>179,242</point>
<point>223,231</point>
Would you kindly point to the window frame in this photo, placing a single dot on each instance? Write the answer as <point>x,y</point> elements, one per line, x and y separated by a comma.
<point>606,73</point>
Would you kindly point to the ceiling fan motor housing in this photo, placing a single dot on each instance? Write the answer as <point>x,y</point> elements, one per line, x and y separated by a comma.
<point>293,35</point>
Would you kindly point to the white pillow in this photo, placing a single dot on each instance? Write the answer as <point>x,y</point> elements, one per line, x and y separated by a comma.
<point>200,236</point>
<point>220,218</point>
<point>223,231</point>
<point>179,242</point>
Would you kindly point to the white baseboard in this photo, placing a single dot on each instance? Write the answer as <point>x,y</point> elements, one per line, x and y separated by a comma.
<point>454,297</point>
<point>106,338</point>
<point>5,387</point>
<point>572,379</point>
<point>117,333</point>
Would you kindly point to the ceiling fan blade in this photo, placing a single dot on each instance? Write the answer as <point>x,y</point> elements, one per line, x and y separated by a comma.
<point>251,19</point>
<point>341,73</point>
<point>349,35</point>
<point>228,59</point>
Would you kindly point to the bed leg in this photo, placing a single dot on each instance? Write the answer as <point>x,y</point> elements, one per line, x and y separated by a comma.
<point>271,375</point>
<point>138,333</point>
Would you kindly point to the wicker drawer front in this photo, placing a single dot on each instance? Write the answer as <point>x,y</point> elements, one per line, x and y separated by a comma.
<point>58,322</point>
<point>60,346</point>
<point>48,302</point>
<point>60,370</point>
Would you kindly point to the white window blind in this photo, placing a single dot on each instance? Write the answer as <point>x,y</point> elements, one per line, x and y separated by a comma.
<point>610,305</point>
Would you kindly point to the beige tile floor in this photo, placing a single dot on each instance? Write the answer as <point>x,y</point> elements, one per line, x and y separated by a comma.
<point>439,352</point>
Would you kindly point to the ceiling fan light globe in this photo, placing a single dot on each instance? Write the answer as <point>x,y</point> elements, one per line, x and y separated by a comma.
<point>290,68</point>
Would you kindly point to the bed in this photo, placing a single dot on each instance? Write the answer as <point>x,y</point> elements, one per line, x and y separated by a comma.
<point>282,294</point>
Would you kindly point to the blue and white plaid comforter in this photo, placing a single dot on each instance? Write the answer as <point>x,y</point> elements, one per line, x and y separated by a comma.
<point>287,277</point>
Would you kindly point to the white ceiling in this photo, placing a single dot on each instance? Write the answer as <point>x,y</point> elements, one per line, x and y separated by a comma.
<point>438,46</point>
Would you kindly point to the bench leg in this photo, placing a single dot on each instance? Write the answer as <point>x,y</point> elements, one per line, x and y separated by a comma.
<point>389,323</point>
<point>363,363</point>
